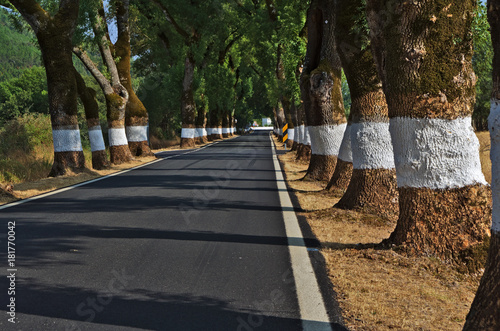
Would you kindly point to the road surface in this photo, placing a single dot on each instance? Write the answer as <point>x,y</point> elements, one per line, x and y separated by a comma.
<point>194,241</point>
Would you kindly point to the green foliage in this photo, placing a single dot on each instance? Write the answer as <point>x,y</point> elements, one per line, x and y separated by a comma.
<point>26,94</point>
<point>18,50</point>
<point>26,148</point>
<point>482,62</point>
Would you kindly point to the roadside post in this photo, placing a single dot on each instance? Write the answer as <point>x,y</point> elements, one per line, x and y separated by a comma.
<point>285,134</point>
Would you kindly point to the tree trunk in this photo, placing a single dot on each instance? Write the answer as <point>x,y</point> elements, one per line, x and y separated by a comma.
<point>136,115</point>
<point>201,121</point>
<point>485,310</point>
<point>295,135</point>
<point>373,183</point>
<point>88,98</point>
<point>226,124</point>
<point>343,170</point>
<point>215,124</point>
<point>424,53</point>
<point>188,109</point>
<point>54,34</point>
<point>325,114</point>
<point>304,143</point>
<point>287,105</point>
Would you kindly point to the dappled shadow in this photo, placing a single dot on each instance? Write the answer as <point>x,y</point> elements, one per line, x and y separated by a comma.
<point>130,306</point>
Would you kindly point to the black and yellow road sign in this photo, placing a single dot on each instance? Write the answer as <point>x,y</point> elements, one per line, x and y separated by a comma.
<point>285,133</point>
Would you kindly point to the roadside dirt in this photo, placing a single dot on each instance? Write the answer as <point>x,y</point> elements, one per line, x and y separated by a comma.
<point>380,289</point>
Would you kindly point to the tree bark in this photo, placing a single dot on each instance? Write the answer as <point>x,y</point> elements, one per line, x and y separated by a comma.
<point>304,143</point>
<point>373,185</point>
<point>343,169</point>
<point>485,310</point>
<point>188,105</point>
<point>136,115</point>
<point>88,98</point>
<point>325,114</point>
<point>54,34</point>
<point>424,53</point>
<point>201,121</point>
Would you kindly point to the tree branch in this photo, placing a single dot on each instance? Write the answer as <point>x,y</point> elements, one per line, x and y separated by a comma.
<point>172,21</point>
<point>32,12</point>
<point>104,43</point>
<point>96,73</point>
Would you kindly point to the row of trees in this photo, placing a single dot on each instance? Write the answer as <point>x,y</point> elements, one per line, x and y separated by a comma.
<point>214,61</point>
<point>408,143</point>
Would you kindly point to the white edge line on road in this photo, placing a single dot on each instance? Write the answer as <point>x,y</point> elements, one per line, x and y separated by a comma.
<point>312,308</point>
<point>64,189</point>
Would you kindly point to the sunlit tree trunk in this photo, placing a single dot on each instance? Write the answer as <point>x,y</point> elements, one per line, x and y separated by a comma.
<point>373,183</point>
<point>136,115</point>
<point>485,310</point>
<point>88,98</point>
<point>423,51</point>
<point>54,34</point>
<point>343,169</point>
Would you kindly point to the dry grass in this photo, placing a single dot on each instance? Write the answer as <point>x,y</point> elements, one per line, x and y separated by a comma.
<point>381,289</point>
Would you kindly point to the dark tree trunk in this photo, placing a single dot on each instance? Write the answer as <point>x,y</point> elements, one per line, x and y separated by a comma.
<point>424,53</point>
<point>54,34</point>
<point>322,68</point>
<point>188,105</point>
<point>485,310</point>
<point>136,115</point>
<point>304,143</point>
<point>201,121</point>
<point>88,98</point>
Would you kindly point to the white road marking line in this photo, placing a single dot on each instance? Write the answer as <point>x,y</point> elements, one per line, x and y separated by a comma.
<point>312,308</point>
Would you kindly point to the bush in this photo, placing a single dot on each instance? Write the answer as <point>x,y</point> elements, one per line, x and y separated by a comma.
<point>26,151</point>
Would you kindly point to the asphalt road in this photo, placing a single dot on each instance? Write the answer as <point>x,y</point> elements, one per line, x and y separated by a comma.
<point>193,242</point>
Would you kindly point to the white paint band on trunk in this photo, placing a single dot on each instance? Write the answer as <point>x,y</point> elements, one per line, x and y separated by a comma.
<point>371,146</point>
<point>67,141</point>
<point>345,153</point>
<point>137,133</point>
<point>326,139</point>
<point>436,153</point>
<point>494,127</point>
<point>291,134</point>
<point>307,137</point>
<point>188,133</point>
<point>96,139</point>
<point>217,131</point>
<point>225,130</point>
<point>302,133</point>
<point>117,137</point>
<point>201,132</point>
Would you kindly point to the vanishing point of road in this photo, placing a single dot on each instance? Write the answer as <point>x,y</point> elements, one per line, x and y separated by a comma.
<point>198,240</point>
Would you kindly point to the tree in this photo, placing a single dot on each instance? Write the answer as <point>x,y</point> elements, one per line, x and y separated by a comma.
<point>485,310</point>
<point>136,115</point>
<point>343,169</point>
<point>54,32</point>
<point>321,81</point>
<point>373,182</point>
<point>423,52</point>
<point>88,97</point>
<point>115,93</point>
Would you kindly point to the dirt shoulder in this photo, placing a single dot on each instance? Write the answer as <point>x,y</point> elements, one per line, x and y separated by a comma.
<point>378,289</point>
